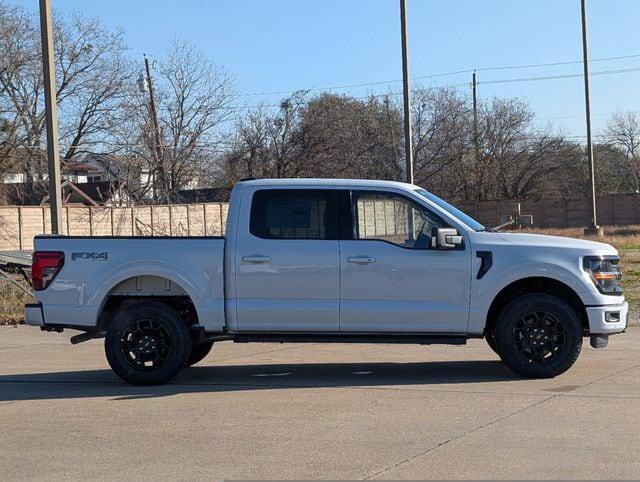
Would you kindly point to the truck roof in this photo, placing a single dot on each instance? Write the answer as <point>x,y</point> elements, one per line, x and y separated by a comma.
<point>328,182</point>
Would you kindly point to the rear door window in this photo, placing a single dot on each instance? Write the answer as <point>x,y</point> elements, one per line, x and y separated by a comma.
<point>295,214</point>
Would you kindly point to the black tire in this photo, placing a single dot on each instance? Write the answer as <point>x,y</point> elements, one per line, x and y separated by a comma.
<point>147,343</point>
<point>491,341</point>
<point>199,351</point>
<point>538,336</point>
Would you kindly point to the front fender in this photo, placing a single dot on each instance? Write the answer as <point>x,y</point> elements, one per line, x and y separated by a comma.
<point>485,290</point>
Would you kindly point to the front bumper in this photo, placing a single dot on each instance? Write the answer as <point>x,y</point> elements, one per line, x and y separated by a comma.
<point>597,319</point>
<point>33,315</point>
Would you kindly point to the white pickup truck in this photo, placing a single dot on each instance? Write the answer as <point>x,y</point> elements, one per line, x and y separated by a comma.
<point>330,261</point>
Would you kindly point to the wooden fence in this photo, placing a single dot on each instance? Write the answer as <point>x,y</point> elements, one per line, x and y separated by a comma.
<point>612,209</point>
<point>19,224</point>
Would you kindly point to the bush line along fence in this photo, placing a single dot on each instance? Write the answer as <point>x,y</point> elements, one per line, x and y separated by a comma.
<point>19,224</point>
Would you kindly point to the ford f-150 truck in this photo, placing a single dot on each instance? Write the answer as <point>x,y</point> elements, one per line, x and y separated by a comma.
<point>330,261</point>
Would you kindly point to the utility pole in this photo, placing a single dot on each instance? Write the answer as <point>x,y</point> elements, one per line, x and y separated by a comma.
<point>594,229</point>
<point>50,101</point>
<point>393,137</point>
<point>476,148</point>
<point>406,88</point>
<point>152,108</point>
<point>156,129</point>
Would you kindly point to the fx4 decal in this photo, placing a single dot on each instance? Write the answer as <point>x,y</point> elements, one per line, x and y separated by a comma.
<point>90,256</point>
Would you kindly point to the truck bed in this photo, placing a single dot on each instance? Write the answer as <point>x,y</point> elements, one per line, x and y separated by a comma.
<point>98,267</point>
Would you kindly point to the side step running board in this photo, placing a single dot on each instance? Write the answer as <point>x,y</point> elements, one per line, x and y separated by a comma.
<point>407,338</point>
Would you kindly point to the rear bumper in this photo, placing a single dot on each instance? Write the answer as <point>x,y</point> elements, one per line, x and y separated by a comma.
<point>598,324</point>
<point>33,315</point>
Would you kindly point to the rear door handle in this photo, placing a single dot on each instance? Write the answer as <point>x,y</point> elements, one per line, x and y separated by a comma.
<point>256,259</point>
<point>361,259</point>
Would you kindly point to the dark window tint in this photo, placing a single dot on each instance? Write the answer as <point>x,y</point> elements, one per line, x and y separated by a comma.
<point>294,214</point>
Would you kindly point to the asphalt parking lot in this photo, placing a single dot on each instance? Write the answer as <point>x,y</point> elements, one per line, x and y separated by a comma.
<point>317,411</point>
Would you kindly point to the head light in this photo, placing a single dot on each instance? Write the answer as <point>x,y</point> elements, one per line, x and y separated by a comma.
<point>605,273</point>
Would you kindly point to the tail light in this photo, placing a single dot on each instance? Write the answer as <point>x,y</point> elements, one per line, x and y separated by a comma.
<point>46,265</point>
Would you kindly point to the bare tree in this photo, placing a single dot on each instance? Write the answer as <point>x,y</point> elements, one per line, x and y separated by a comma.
<point>193,101</point>
<point>16,54</point>
<point>516,156</point>
<point>267,144</point>
<point>623,130</point>
<point>349,137</point>
<point>323,136</point>
<point>441,130</point>
<point>90,71</point>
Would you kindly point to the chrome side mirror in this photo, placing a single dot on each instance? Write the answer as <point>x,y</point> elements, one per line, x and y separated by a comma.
<point>446,238</point>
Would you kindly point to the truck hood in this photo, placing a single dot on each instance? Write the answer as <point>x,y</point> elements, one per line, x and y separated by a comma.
<point>544,241</point>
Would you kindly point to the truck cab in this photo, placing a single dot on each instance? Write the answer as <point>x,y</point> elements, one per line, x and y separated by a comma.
<point>330,260</point>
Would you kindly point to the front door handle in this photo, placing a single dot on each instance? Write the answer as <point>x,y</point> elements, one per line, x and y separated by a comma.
<point>256,259</point>
<point>361,259</point>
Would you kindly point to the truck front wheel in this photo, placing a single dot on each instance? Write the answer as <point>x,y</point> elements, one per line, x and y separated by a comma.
<point>491,341</point>
<point>538,335</point>
<point>199,351</point>
<point>147,343</point>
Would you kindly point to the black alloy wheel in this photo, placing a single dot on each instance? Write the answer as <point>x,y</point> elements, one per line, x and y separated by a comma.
<point>538,335</point>
<point>147,343</point>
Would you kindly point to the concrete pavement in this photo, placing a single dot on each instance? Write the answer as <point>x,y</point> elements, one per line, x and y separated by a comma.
<point>317,411</point>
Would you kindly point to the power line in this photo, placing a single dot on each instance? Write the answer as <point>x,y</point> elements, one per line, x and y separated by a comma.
<point>484,82</point>
<point>361,84</point>
<point>555,77</point>
<point>580,116</point>
<point>555,64</point>
<point>442,74</point>
<point>370,96</point>
<point>230,143</point>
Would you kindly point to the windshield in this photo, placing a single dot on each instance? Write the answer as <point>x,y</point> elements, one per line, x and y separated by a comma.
<point>465,218</point>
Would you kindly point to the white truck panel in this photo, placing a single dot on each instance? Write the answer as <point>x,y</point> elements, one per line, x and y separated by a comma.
<point>79,291</point>
<point>302,288</point>
<point>274,281</point>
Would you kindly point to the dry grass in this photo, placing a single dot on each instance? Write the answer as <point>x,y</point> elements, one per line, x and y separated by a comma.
<point>626,239</point>
<point>620,237</point>
<point>12,301</point>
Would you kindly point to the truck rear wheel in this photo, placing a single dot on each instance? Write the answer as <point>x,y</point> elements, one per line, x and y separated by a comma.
<point>199,351</point>
<point>147,343</point>
<point>538,336</point>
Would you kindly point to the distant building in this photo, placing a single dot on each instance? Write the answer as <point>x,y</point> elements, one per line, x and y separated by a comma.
<point>13,177</point>
<point>95,179</point>
<point>84,172</point>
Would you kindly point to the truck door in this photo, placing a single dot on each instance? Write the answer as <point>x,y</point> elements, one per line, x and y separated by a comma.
<point>392,279</point>
<point>287,261</point>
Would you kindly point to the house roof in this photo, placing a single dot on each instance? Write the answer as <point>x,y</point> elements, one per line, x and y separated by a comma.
<point>203,195</point>
<point>80,166</point>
